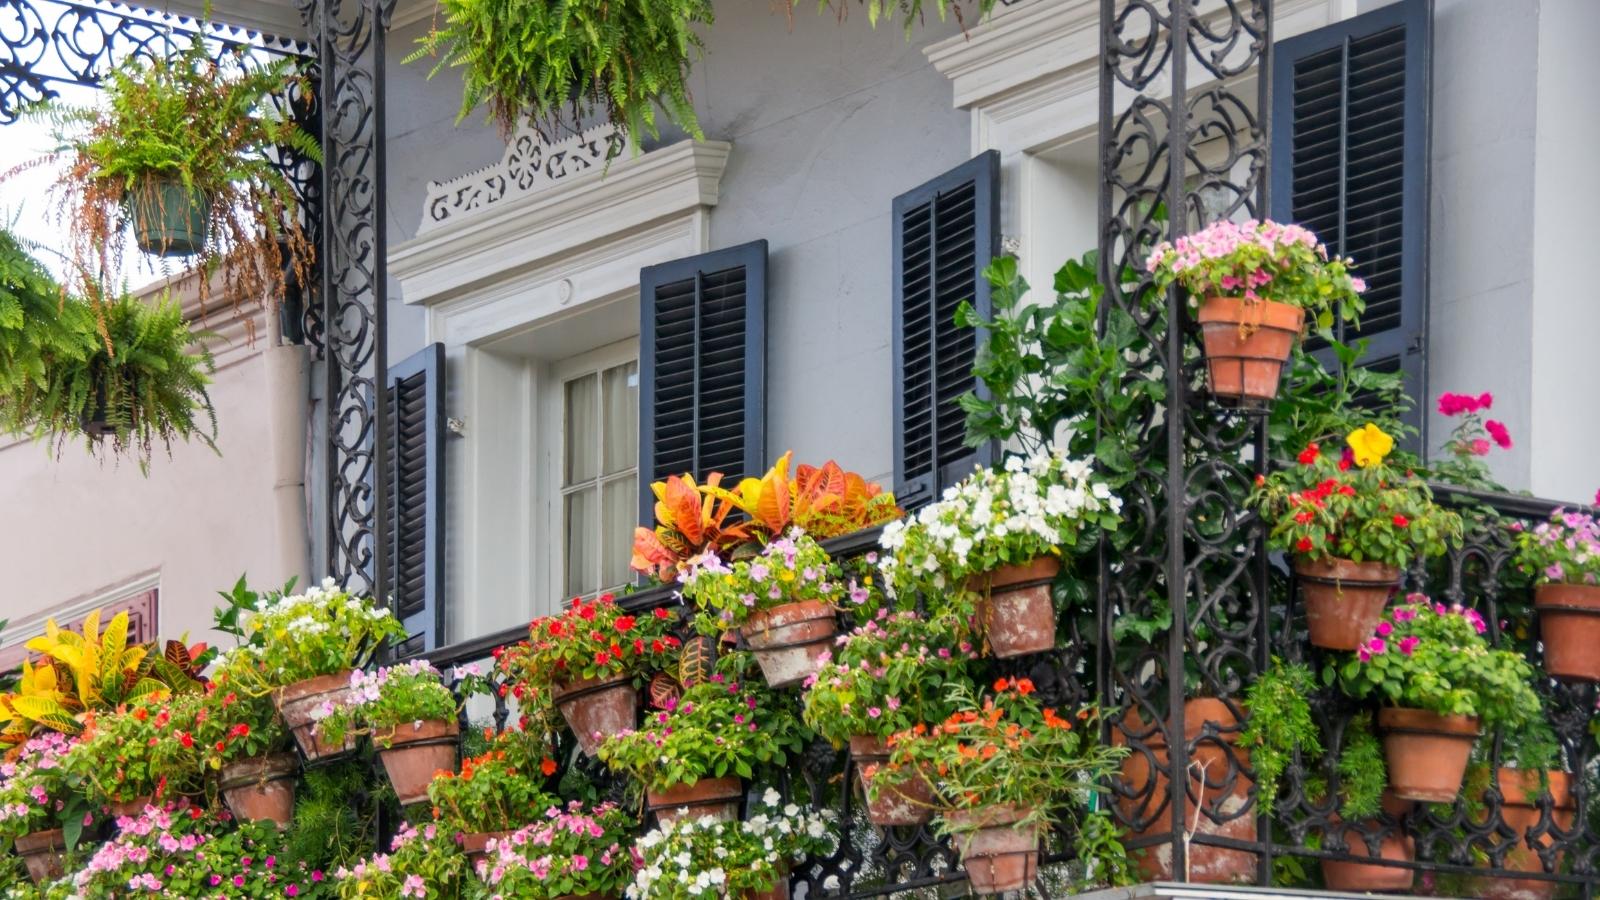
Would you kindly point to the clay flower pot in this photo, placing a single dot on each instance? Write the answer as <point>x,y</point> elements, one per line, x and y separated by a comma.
<point>1520,812</point>
<point>998,855</point>
<point>904,802</point>
<point>130,808</point>
<point>790,640</point>
<point>1344,599</point>
<point>476,844</point>
<point>1247,344</point>
<point>41,853</point>
<point>261,787</point>
<point>412,752</point>
<point>1019,615</point>
<point>779,891</point>
<point>1426,752</point>
<point>298,704</point>
<point>1569,627</point>
<point>595,708</point>
<point>1363,877</point>
<point>715,797</point>
<point>1218,778</point>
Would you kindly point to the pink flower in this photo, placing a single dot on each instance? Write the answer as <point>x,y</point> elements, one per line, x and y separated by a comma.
<point>1377,646</point>
<point>873,712</point>
<point>1497,430</point>
<point>1408,644</point>
<point>1384,628</point>
<point>1479,447</point>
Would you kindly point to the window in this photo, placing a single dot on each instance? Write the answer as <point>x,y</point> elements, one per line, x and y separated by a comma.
<point>599,469</point>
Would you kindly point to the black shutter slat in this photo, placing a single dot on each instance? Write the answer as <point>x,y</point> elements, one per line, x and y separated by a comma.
<point>944,233</point>
<point>1350,151</point>
<point>414,494</point>
<point>702,367</point>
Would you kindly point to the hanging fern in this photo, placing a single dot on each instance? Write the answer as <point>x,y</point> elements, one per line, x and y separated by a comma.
<point>561,63</point>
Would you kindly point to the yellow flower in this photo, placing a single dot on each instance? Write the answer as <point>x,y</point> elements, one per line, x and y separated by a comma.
<point>1369,444</point>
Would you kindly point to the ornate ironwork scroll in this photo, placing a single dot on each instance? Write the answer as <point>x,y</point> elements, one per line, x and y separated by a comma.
<point>349,35</point>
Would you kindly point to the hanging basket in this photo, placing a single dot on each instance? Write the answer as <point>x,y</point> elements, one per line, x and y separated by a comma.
<point>260,788</point>
<point>998,855</point>
<point>41,853</point>
<point>715,797</point>
<point>168,218</point>
<point>908,801</point>
<point>297,704</point>
<point>790,640</point>
<point>595,708</point>
<point>413,753</point>
<point>1344,599</point>
<point>1019,615</point>
<point>1247,344</point>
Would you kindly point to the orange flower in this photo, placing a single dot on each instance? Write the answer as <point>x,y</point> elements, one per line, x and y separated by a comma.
<point>989,751</point>
<point>1001,684</point>
<point>548,767</point>
<point>1024,686</point>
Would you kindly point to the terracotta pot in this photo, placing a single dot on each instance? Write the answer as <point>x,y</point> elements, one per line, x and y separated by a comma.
<point>130,808</point>
<point>789,640</point>
<point>261,787</point>
<point>413,753</point>
<point>1426,752</point>
<point>1396,846</point>
<point>1019,615</point>
<point>297,704</point>
<point>595,708</point>
<point>1344,599</point>
<point>999,856</point>
<point>41,853</point>
<point>779,891</point>
<point>476,844</point>
<point>715,797</point>
<point>1247,344</point>
<point>1217,779</point>
<point>1569,626</point>
<point>905,802</point>
<point>1520,813</point>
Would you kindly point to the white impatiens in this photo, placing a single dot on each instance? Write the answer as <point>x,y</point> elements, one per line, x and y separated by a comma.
<point>704,858</point>
<point>1033,506</point>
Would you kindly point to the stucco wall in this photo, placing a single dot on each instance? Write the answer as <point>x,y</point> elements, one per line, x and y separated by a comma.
<point>828,123</point>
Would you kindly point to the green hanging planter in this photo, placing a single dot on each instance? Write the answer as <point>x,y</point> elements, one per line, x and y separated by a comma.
<point>168,218</point>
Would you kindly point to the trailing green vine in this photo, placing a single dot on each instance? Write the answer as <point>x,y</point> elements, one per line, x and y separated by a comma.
<point>1280,723</point>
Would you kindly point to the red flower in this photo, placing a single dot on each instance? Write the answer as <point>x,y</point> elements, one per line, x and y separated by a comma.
<point>240,730</point>
<point>1001,684</point>
<point>1485,400</point>
<point>141,714</point>
<point>548,767</point>
<point>638,647</point>
<point>1401,521</point>
<point>1304,545</point>
<point>585,612</point>
<point>657,647</point>
<point>661,612</point>
<point>1480,447</point>
<point>554,628</point>
<point>1497,430</point>
<point>1310,453</point>
<point>1346,460</point>
<point>624,624</point>
<point>1304,516</point>
<point>601,657</point>
<point>185,739</point>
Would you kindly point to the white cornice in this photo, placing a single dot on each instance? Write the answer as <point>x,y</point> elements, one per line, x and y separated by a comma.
<point>1017,45</point>
<point>518,235</point>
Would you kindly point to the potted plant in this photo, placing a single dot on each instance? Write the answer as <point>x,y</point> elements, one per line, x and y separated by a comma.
<point>1370,821</point>
<point>247,750</point>
<point>692,756</point>
<point>1251,285</point>
<point>410,716</point>
<point>303,648</point>
<point>133,756</point>
<point>1440,682</point>
<point>1352,524</point>
<point>574,851</point>
<point>1004,769</point>
<point>589,662</point>
<point>883,678</point>
<point>782,601</point>
<point>189,153</point>
<point>37,808</point>
<point>421,862</point>
<point>702,856</point>
<point>1523,796</point>
<point>496,792</point>
<point>1563,556</point>
<point>995,541</point>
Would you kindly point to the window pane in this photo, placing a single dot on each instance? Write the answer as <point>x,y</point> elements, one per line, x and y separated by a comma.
<point>582,567</point>
<point>621,509</point>
<point>622,418</point>
<point>582,429</point>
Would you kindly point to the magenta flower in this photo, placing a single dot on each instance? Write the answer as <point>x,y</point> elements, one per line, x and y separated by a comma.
<point>873,712</point>
<point>1409,643</point>
<point>1498,431</point>
<point>1377,646</point>
<point>1384,629</point>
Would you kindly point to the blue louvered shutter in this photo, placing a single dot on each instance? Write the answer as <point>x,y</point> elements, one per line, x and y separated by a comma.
<point>702,368</point>
<point>944,233</point>
<point>1350,162</point>
<point>414,391</point>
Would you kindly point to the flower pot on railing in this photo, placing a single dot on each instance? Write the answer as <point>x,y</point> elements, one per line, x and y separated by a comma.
<point>1344,599</point>
<point>1426,753</point>
<point>1520,792</point>
<point>413,752</point>
<point>41,852</point>
<point>1018,613</point>
<point>718,798</point>
<point>1216,777</point>
<point>1365,877</point>
<point>131,808</point>
<point>299,704</point>
<point>260,788</point>
<point>898,801</point>
<point>998,854</point>
<point>595,708</point>
<point>1569,627</point>
<point>475,844</point>
<point>790,640</point>
<point>1247,344</point>
<point>168,218</point>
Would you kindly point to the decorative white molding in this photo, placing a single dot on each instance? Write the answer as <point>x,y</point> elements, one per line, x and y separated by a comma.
<point>499,242</point>
<point>529,165</point>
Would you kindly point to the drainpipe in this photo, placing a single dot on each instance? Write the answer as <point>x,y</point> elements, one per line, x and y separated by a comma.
<point>287,368</point>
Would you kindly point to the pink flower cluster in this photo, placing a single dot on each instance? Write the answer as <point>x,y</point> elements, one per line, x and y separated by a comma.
<point>1222,239</point>
<point>1383,634</point>
<point>521,849</point>
<point>1456,404</point>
